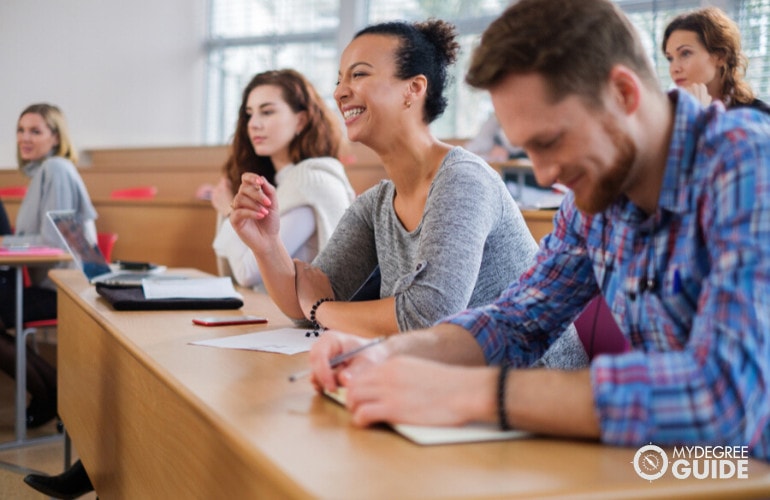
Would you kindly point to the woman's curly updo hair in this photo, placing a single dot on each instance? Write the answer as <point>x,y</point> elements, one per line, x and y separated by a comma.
<point>426,48</point>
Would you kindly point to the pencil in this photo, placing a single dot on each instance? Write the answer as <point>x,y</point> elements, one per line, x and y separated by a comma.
<point>338,359</point>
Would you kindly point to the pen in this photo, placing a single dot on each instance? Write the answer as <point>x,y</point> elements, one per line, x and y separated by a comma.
<point>338,359</point>
<point>676,282</point>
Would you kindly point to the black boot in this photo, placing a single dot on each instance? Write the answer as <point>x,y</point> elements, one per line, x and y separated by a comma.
<point>72,483</point>
<point>41,411</point>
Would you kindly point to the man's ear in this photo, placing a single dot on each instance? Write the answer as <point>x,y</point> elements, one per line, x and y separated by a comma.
<point>625,86</point>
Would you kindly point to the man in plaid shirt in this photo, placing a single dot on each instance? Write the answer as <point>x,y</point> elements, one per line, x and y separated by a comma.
<point>668,219</point>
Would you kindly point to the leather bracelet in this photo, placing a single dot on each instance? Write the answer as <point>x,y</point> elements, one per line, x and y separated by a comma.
<point>316,326</point>
<point>502,417</point>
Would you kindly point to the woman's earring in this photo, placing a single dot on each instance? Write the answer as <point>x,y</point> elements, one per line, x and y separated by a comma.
<point>408,104</point>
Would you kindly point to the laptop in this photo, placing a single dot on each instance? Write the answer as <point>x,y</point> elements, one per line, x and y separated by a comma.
<point>88,257</point>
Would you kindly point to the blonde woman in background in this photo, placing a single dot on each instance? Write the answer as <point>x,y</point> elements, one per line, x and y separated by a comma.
<point>45,155</point>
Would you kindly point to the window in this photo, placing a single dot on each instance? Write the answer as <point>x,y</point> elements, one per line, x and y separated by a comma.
<point>247,37</point>
<point>250,36</point>
<point>753,18</point>
<point>650,19</point>
<point>467,108</point>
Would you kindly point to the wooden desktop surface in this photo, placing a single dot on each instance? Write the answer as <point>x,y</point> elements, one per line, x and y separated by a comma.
<point>154,417</point>
<point>17,259</point>
<point>539,222</point>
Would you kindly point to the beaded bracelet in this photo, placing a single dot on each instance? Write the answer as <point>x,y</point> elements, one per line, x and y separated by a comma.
<point>316,325</point>
<point>501,414</point>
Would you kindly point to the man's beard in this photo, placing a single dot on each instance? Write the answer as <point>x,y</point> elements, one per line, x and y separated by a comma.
<point>609,185</point>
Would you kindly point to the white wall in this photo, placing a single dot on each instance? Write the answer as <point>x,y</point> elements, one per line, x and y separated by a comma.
<point>125,73</point>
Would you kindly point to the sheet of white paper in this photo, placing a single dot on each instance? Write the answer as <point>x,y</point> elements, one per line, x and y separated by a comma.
<point>535,198</point>
<point>193,288</point>
<point>282,340</point>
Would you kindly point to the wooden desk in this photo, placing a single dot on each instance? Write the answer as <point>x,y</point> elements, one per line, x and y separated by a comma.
<point>174,233</point>
<point>18,260</point>
<point>154,417</point>
<point>539,222</point>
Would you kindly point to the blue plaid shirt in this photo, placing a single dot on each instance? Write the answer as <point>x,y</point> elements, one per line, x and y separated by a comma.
<point>699,368</point>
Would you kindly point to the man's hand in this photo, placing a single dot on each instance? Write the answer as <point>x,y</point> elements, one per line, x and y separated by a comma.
<point>332,344</point>
<point>410,390</point>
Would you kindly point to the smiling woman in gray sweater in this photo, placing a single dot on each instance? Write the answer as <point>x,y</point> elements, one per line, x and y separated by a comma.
<point>443,231</point>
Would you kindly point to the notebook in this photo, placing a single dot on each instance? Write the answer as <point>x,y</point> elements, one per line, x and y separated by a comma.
<point>88,257</point>
<point>435,435</point>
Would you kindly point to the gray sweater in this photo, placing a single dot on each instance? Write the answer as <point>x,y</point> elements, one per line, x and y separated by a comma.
<point>471,243</point>
<point>55,185</point>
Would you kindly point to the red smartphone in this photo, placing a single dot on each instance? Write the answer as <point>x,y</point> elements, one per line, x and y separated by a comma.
<point>229,320</point>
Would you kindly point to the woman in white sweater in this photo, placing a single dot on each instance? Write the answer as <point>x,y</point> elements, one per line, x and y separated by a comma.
<point>286,134</point>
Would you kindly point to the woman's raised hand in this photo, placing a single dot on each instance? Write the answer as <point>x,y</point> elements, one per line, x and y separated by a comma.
<point>255,214</point>
<point>700,92</point>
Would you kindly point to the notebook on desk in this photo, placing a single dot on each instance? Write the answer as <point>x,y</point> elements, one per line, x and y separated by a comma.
<point>436,435</point>
<point>88,257</point>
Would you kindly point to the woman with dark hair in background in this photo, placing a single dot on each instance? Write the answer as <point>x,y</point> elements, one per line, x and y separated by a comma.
<point>703,48</point>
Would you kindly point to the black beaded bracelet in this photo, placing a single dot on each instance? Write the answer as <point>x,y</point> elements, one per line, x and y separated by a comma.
<point>313,320</point>
<point>501,414</point>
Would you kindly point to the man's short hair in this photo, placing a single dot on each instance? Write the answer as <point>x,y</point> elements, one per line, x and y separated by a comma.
<point>573,44</point>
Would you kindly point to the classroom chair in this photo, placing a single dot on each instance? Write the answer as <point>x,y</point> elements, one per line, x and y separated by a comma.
<point>105,242</point>
<point>13,191</point>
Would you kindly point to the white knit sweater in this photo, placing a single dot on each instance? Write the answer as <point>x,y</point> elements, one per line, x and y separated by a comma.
<point>317,183</point>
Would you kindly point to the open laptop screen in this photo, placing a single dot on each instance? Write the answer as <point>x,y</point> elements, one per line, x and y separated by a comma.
<point>86,254</point>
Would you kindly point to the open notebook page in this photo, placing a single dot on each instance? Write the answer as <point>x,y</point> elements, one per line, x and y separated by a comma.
<point>435,435</point>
